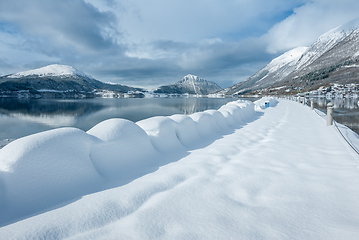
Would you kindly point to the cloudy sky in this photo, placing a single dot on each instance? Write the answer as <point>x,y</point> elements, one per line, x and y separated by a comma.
<point>149,43</point>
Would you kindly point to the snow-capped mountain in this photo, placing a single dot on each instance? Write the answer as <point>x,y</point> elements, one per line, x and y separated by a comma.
<point>276,70</point>
<point>326,42</point>
<point>190,84</point>
<point>51,71</point>
<point>332,58</point>
<point>59,79</point>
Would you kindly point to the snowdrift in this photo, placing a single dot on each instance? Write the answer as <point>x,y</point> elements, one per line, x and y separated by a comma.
<point>41,171</point>
<point>260,104</point>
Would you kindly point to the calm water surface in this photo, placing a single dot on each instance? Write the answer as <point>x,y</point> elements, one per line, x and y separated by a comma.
<point>346,111</point>
<point>22,117</point>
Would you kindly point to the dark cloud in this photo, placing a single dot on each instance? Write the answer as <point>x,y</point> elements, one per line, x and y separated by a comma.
<point>152,43</point>
<point>65,23</point>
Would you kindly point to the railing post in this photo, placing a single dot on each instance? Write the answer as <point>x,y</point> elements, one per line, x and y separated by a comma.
<point>312,104</point>
<point>330,114</point>
<point>303,100</point>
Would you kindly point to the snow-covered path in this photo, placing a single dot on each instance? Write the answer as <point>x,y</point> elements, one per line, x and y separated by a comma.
<point>285,175</point>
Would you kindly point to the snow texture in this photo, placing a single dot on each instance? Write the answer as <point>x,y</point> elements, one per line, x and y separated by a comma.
<point>274,71</point>
<point>289,58</point>
<point>265,173</point>
<point>327,41</point>
<point>51,70</point>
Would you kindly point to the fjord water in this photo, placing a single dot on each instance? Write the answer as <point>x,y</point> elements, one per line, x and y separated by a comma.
<point>346,110</point>
<point>22,117</point>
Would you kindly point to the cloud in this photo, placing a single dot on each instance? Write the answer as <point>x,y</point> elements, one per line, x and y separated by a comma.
<point>152,43</point>
<point>308,22</point>
<point>61,24</point>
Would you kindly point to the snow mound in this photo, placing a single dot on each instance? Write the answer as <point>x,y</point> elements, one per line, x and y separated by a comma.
<point>220,119</point>
<point>233,114</point>
<point>206,124</point>
<point>186,130</point>
<point>43,170</point>
<point>51,70</point>
<point>125,147</point>
<point>260,104</point>
<point>162,133</point>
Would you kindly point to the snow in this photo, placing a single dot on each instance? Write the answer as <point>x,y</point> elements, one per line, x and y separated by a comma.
<point>350,26</point>
<point>241,172</point>
<point>198,85</point>
<point>51,70</point>
<point>290,57</point>
<point>327,41</point>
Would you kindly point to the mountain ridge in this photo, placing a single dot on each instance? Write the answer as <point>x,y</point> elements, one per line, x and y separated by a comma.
<point>51,70</point>
<point>56,81</point>
<point>190,84</point>
<point>332,58</point>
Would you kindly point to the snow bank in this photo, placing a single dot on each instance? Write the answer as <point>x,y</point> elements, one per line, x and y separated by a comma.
<point>162,133</point>
<point>124,148</point>
<point>260,104</point>
<point>45,169</point>
<point>206,124</point>
<point>284,176</point>
<point>186,130</point>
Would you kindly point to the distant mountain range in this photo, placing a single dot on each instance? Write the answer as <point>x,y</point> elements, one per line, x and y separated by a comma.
<point>190,84</point>
<point>332,58</point>
<point>56,81</point>
<point>66,81</point>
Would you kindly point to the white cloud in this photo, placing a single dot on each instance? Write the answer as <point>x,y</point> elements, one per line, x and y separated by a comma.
<point>145,42</point>
<point>308,22</point>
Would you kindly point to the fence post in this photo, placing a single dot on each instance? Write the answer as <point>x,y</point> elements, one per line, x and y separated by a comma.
<point>330,114</point>
<point>303,100</point>
<point>312,104</point>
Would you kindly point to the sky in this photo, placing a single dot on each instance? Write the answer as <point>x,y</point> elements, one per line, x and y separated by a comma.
<point>147,44</point>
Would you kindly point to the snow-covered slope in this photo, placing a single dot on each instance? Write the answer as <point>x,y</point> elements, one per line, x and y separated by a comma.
<point>276,70</point>
<point>192,85</point>
<point>332,58</point>
<point>51,70</point>
<point>55,81</point>
<point>287,59</point>
<point>326,42</point>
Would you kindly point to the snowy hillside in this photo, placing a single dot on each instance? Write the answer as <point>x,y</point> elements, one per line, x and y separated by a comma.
<point>192,85</point>
<point>51,70</point>
<point>276,70</point>
<point>332,58</point>
<point>326,42</point>
<point>57,81</point>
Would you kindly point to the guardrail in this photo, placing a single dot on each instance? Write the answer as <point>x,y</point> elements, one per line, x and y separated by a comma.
<point>330,122</point>
<point>329,117</point>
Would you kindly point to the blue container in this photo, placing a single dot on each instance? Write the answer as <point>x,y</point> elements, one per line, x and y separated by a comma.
<point>266,104</point>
